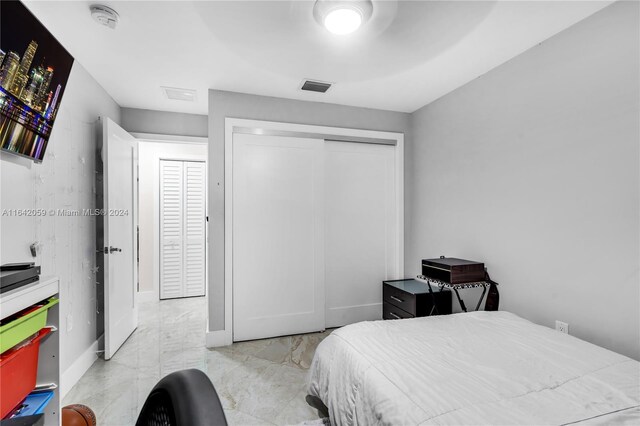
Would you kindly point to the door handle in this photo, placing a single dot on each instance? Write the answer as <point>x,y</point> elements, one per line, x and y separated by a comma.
<point>108,250</point>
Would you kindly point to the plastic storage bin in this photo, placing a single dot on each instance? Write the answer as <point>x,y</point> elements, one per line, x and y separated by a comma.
<point>18,372</point>
<point>33,404</point>
<point>35,420</point>
<point>24,324</point>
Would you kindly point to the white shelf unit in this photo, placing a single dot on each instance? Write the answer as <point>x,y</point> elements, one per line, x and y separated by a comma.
<point>49,356</point>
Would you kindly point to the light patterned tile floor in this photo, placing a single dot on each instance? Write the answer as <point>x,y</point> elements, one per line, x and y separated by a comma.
<point>259,382</point>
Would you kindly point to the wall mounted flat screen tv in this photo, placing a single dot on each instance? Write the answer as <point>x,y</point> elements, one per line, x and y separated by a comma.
<point>34,69</point>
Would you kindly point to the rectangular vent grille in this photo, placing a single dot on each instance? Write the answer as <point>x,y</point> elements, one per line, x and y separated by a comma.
<point>315,86</point>
<point>178,94</point>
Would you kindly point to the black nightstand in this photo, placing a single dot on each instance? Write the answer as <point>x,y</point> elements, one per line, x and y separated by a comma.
<point>411,298</point>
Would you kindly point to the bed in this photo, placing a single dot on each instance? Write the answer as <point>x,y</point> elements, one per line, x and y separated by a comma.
<point>470,369</point>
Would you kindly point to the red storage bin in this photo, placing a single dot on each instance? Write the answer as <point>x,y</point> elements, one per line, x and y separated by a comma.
<point>18,372</point>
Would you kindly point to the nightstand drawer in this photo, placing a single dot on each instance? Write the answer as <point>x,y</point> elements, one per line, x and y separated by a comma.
<point>414,298</point>
<point>390,311</point>
<point>403,300</point>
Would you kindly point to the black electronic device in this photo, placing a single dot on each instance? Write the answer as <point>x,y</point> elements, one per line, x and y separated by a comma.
<point>12,279</point>
<point>16,266</point>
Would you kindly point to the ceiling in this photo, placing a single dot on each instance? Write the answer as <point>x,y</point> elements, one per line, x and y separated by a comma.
<point>409,54</point>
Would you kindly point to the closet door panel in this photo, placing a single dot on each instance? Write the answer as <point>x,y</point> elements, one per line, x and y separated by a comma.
<point>194,228</point>
<point>361,229</point>
<point>278,232</point>
<point>171,229</point>
<point>182,228</point>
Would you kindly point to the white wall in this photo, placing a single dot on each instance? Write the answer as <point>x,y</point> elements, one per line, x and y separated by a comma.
<point>64,180</point>
<point>164,123</point>
<point>534,168</point>
<point>150,154</point>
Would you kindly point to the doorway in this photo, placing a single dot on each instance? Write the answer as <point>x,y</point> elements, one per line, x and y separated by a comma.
<point>170,236</point>
<point>128,188</point>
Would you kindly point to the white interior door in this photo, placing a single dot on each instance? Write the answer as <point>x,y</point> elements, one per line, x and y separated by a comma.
<point>119,157</point>
<point>278,236</point>
<point>361,229</point>
<point>182,228</point>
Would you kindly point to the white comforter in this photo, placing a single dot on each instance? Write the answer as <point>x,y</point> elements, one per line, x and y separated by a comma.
<point>468,369</point>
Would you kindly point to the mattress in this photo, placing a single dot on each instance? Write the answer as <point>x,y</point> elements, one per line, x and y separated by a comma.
<point>468,369</point>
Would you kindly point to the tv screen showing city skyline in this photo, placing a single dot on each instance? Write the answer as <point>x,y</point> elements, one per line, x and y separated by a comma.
<point>34,69</point>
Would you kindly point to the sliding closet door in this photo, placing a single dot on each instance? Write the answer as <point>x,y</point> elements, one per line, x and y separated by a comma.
<point>182,229</point>
<point>278,236</point>
<point>361,229</point>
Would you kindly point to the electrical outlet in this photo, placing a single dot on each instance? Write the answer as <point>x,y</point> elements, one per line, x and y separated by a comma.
<point>69,323</point>
<point>562,327</point>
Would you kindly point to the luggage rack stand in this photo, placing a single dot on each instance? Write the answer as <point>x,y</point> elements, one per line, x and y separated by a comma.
<point>455,287</point>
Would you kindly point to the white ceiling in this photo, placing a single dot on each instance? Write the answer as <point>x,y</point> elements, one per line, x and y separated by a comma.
<point>409,54</point>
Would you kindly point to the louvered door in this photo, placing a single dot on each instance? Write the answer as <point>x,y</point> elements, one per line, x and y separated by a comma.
<point>171,229</point>
<point>182,229</point>
<point>194,226</point>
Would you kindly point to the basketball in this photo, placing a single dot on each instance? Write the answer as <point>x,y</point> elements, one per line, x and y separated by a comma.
<point>78,415</point>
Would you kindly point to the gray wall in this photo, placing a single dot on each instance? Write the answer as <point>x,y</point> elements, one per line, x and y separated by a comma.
<point>237,105</point>
<point>164,123</point>
<point>534,168</point>
<point>64,180</point>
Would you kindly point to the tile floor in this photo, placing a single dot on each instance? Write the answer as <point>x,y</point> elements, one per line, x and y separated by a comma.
<point>259,382</point>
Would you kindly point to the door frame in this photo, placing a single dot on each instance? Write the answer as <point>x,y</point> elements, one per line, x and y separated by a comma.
<point>178,140</point>
<point>239,125</point>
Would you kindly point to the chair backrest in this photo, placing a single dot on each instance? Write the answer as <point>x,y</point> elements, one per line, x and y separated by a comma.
<point>183,398</point>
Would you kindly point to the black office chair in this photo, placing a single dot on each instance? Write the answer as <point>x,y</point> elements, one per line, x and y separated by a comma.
<point>183,398</point>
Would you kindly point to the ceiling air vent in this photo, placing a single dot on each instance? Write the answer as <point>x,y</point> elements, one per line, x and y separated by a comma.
<point>315,86</point>
<point>178,94</point>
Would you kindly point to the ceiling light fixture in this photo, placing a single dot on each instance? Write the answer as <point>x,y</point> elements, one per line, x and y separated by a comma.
<point>342,17</point>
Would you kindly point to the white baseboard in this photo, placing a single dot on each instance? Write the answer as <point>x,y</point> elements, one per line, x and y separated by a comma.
<point>72,375</point>
<point>148,296</point>
<point>215,339</point>
<point>343,315</point>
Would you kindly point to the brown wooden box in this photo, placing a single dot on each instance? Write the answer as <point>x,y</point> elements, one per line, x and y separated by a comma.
<point>453,270</point>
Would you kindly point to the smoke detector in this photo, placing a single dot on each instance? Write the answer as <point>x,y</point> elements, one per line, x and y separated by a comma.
<point>104,15</point>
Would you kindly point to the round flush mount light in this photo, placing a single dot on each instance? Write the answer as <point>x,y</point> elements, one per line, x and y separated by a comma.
<point>342,17</point>
<point>343,21</point>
